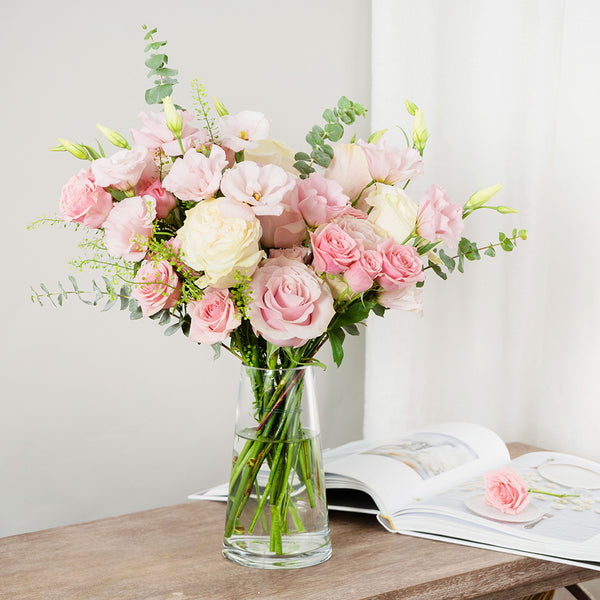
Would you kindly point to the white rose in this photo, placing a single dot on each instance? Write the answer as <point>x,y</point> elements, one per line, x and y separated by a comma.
<point>408,298</point>
<point>219,246</point>
<point>349,168</point>
<point>393,211</point>
<point>272,152</point>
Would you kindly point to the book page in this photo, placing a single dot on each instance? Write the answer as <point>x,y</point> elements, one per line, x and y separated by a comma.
<point>416,465</point>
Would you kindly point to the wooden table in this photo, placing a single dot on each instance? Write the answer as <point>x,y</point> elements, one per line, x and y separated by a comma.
<point>174,553</point>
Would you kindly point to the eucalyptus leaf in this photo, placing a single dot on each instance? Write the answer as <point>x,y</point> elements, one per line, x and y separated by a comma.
<point>301,156</point>
<point>154,46</point>
<point>449,262</point>
<point>109,304</point>
<point>156,60</point>
<point>334,131</point>
<point>173,328</point>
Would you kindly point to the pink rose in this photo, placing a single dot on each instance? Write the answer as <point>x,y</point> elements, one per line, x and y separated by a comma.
<point>333,249</point>
<point>290,303</point>
<point>196,176</point>
<point>129,226</point>
<point>438,218</point>
<point>506,491</point>
<point>388,164</point>
<point>400,266</point>
<point>320,200</point>
<point>122,170</point>
<point>240,131</point>
<point>165,202</point>
<point>82,201</point>
<point>349,168</point>
<point>155,133</point>
<point>284,230</point>
<point>361,230</point>
<point>296,252</point>
<point>214,317</point>
<point>156,287</point>
<point>361,274</point>
<point>409,298</point>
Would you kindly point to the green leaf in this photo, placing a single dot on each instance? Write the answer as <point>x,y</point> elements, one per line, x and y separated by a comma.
<point>100,148</point>
<point>336,338</point>
<point>150,33</point>
<point>464,245</point>
<point>347,116</point>
<point>117,195</point>
<point>162,72</point>
<point>351,329</point>
<point>109,304</point>
<point>60,299</point>
<point>334,131</point>
<point>426,248</point>
<point>74,283</point>
<point>154,46</point>
<point>380,310</point>
<point>328,150</point>
<point>344,103</point>
<point>355,313</point>
<point>314,139</point>
<point>329,116</point>
<point>165,317</point>
<point>165,81</point>
<point>359,109</point>
<point>135,310</point>
<point>216,350</point>
<point>156,60</point>
<point>156,94</point>
<point>321,158</point>
<point>124,293</point>
<point>419,284</point>
<point>303,167</point>
<point>490,252</point>
<point>506,245</point>
<point>301,156</point>
<point>93,153</point>
<point>501,236</point>
<point>460,266</point>
<point>173,328</point>
<point>438,270</point>
<point>449,262</point>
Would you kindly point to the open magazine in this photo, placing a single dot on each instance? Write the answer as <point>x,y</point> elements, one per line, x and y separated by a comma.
<point>430,484</point>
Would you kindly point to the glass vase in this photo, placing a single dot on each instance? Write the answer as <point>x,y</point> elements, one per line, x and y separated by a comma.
<point>276,508</point>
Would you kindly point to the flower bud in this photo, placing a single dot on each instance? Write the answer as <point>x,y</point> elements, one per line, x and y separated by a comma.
<point>375,137</point>
<point>173,118</point>
<point>116,139</point>
<point>77,150</point>
<point>420,133</point>
<point>220,107</point>
<point>411,107</point>
<point>480,197</point>
<point>505,210</point>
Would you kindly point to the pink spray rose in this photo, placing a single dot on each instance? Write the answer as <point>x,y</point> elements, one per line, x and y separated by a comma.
<point>506,491</point>
<point>156,287</point>
<point>320,200</point>
<point>401,265</point>
<point>349,168</point>
<point>284,230</point>
<point>333,249</point>
<point>290,303</point>
<point>361,274</point>
<point>155,133</point>
<point>438,218</point>
<point>165,201</point>
<point>409,298</point>
<point>388,164</point>
<point>214,316</point>
<point>82,201</point>
<point>296,252</point>
<point>363,231</point>
<point>241,131</point>
<point>196,176</point>
<point>129,226</point>
<point>251,189</point>
<point>122,170</point>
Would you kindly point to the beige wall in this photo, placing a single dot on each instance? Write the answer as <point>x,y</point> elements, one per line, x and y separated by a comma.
<point>100,415</point>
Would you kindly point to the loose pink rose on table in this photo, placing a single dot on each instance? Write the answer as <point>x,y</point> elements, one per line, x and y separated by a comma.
<point>122,170</point>
<point>290,303</point>
<point>241,131</point>
<point>349,168</point>
<point>129,227</point>
<point>333,249</point>
<point>400,265</point>
<point>156,287</point>
<point>165,201</point>
<point>438,218</point>
<point>82,201</point>
<point>214,316</point>
<point>506,491</point>
<point>320,200</point>
<point>196,176</point>
<point>388,164</point>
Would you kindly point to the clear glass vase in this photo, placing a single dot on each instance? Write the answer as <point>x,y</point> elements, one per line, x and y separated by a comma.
<point>276,508</point>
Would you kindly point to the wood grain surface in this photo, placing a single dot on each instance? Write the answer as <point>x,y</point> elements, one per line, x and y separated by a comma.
<point>174,553</point>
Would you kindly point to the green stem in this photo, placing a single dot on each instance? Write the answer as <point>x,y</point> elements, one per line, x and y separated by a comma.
<point>532,491</point>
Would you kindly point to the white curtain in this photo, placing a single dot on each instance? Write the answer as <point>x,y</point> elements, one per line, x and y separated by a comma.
<point>511,93</point>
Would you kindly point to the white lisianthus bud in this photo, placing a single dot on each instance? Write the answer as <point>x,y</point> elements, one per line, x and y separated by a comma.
<point>420,133</point>
<point>504,210</point>
<point>116,139</point>
<point>411,107</point>
<point>172,117</point>
<point>77,150</point>
<point>480,197</point>
<point>221,110</point>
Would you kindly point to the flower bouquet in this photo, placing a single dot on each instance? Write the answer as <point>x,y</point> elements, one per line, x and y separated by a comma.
<point>209,227</point>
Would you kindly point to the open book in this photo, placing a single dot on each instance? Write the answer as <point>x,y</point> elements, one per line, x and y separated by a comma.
<point>430,484</point>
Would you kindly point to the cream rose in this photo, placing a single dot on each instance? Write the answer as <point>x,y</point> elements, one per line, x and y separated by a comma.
<point>272,152</point>
<point>393,211</point>
<point>219,246</point>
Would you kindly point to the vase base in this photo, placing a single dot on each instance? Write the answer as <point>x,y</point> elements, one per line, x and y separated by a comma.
<point>305,550</point>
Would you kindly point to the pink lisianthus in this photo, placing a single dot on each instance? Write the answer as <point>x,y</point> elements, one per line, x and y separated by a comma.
<point>242,130</point>
<point>438,218</point>
<point>296,252</point>
<point>350,169</point>
<point>150,173</point>
<point>284,230</point>
<point>122,170</point>
<point>251,189</point>
<point>361,274</point>
<point>333,249</point>
<point>196,176</point>
<point>290,303</point>
<point>155,133</point>
<point>409,298</point>
<point>129,227</point>
<point>156,287</point>
<point>165,201</point>
<point>388,164</point>
<point>506,491</point>
<point>214,316</point>
<point>401,265</point>
<point>320,200</point>
<point>82,201</point>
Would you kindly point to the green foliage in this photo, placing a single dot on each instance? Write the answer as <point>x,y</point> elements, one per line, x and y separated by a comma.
<point>203,108</point>
<point>157,67</point>
<point>344,113</point>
